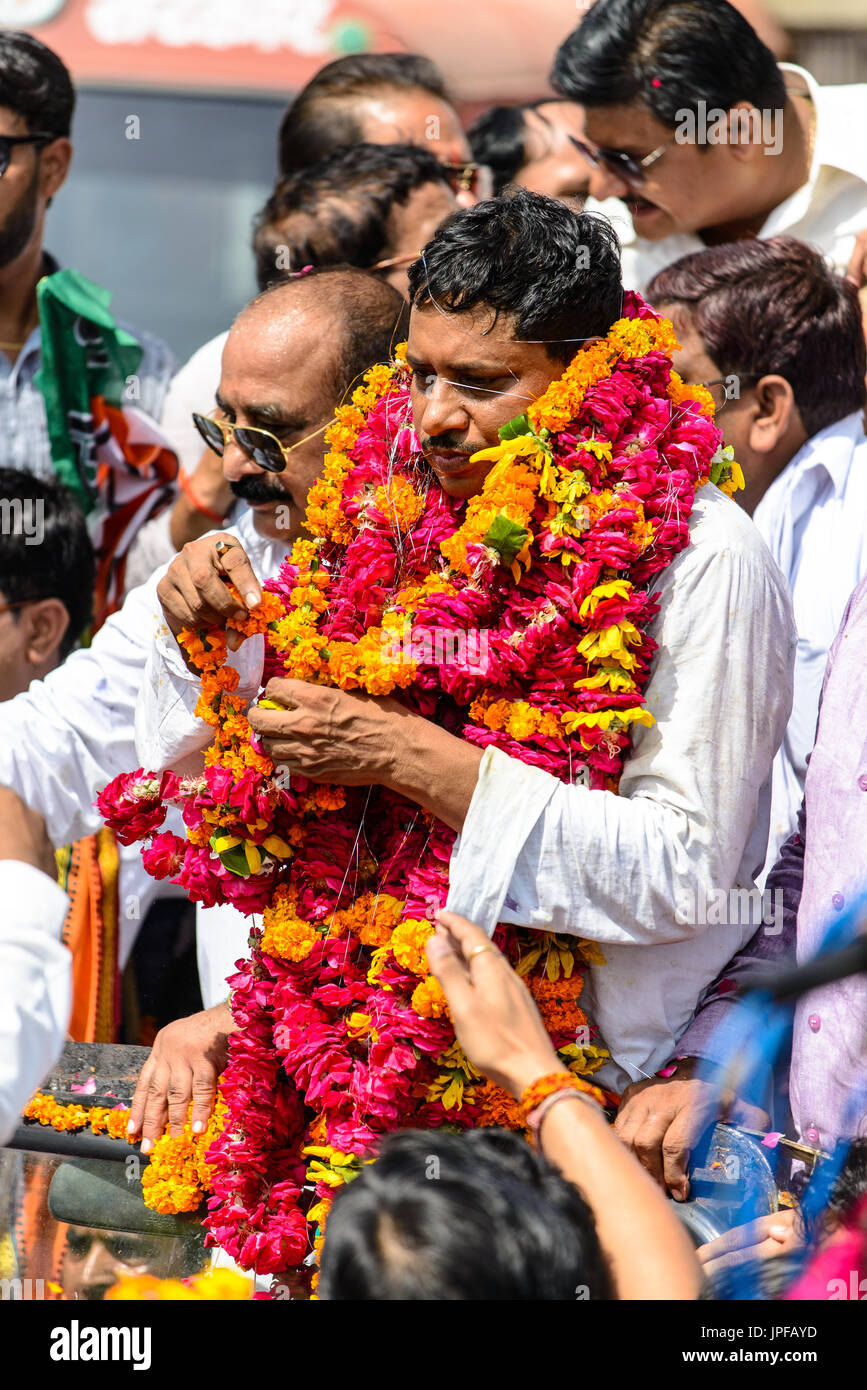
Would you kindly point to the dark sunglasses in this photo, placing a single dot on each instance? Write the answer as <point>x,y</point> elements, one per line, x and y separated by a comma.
<point>260,446</point>
<point>471,178</point>
<point>626,166</point>
<point>8,142</point>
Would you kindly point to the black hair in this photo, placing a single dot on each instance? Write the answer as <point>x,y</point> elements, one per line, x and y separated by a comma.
<point>45,549</point>
<point>337,211</point>
<point>498,138</point>
<point>668,55</point>
<point>775,307</point>
<point>451,1217</point>
<point>373,314</point>
<point>35,84</point>
<point>556,271</point>
<point>324,115</point>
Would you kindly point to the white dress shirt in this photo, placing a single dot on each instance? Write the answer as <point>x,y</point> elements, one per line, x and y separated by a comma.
<point>827,211</point>
<point>813,519</point>
<point>65,738</point>
<point>35,984</point>
<point>692,808</point>
<point>611,867</point>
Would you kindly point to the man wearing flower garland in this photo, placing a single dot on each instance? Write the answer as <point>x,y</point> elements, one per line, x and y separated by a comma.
<point>503,298</point>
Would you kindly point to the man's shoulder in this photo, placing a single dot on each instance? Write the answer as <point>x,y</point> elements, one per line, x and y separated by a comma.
<point>718,525</point>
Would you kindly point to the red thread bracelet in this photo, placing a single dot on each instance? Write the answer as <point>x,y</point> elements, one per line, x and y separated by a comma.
<point>186,489</point>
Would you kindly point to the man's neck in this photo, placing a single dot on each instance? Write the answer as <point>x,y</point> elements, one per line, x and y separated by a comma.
<point>784,175</point>
<point>18,311</point>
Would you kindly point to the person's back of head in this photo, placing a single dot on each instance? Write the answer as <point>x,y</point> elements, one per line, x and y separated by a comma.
<point>46,578</point>
<point>773,307</point>
<point>368,316</point>
<point>324,114</point>
<point>555,271</point>
<point>498,138</point>
<point>451,1217</point>
<point>339,211</point>
<point>668,56</point>
<point>35,84</point>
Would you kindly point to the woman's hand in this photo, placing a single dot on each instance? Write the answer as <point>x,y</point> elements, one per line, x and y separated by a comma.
<point>495,1016</point>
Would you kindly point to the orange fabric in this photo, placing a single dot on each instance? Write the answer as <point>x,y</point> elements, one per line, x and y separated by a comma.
<point>88,872</point>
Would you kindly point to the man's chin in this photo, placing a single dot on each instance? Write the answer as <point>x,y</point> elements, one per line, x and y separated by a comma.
<point>276,521</point>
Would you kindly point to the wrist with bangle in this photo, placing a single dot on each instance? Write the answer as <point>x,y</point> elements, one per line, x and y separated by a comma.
<point>545,1092</point>
<point>187,489</point>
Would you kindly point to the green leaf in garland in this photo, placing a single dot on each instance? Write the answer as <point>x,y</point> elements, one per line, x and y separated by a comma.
<point>233,859</point>
<point>514,428</point>
<point>506,537</point>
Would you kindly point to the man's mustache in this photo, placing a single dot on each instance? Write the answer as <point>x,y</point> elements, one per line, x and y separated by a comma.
<point>444,444</point>
<point>253,489</point>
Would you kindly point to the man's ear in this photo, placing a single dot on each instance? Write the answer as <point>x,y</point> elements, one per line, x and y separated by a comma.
<point>44,627</point>
<point>54,161</point>
<point>774,415</point>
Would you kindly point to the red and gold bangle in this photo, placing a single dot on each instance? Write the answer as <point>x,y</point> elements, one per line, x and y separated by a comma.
<point>546,1086</point>
<point>187,490</point>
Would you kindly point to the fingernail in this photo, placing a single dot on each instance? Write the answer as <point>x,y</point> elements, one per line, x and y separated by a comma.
<point>251,598</point>
<point>197,1127</point>
<point>146,1146</point>
<point>130,1129</point>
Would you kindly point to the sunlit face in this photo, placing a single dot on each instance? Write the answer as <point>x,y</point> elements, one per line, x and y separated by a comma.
<point>688,188</point>
<point>32,177</point>
<point>470,377</point>
<point>553,164</point>
<point>399,116</point>
<point>277,374</point>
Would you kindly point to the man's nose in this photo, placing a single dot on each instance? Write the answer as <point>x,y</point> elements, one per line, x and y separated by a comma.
<point>238,465</point>
<point>604,183</point>
<point>441,411</point>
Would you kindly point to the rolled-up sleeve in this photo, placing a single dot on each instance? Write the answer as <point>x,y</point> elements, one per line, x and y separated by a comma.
<point>622,868</point>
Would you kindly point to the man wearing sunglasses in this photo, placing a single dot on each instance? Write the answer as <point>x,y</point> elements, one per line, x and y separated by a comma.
<point>694,127</point>
<point>37,100</point>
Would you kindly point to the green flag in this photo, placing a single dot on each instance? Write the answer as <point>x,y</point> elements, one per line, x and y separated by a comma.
<point>84,355</point>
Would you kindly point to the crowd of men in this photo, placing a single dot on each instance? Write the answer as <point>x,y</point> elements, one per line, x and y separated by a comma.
<point>737,189</point>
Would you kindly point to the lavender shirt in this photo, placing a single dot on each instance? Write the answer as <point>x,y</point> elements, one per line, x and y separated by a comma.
<point>822,867</point>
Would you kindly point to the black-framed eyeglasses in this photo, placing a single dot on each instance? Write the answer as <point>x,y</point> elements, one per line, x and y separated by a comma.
<point>626,166</point>
<point>261,446</point>
<point>477,179</point>
<point>7,143</point>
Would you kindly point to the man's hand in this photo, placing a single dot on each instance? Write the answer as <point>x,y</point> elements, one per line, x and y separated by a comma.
<point>663,1118</point>
<point>330,735</point>
<point>185,1063</point>
<point>23,836</point>
<point>194,590</point>
<point>762,1239</point>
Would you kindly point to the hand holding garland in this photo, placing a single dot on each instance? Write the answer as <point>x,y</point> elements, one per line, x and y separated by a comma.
<point>499,1027</point>
<point>354,740</point>
<point>195,593</point>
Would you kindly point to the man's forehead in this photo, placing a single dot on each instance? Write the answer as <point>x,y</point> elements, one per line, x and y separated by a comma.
<point>477,337</point>
<point>629,127</point>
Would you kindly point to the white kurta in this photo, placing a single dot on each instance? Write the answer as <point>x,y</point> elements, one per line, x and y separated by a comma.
<point>65,738</point>
<point>614,868</point>
<point>813,518</point>
<point>35,984</point>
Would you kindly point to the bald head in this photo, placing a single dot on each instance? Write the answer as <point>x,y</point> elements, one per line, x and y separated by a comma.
<point>360,315</point>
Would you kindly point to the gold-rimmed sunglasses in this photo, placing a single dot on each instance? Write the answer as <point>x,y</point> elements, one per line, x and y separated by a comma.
<point>260,446</point>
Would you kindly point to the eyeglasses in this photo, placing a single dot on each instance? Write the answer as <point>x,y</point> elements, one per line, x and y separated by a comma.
<point>725,382</point>
<point>21,603</point>
<point>261,447</point>
<point>8,141</point>
<point>626,166</point>
<point>477,179</point>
